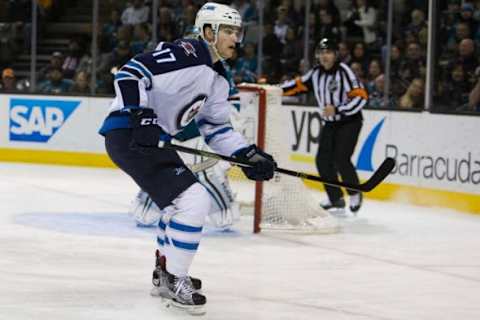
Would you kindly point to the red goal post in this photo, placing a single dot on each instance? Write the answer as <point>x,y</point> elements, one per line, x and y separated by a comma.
<point>283,203</point>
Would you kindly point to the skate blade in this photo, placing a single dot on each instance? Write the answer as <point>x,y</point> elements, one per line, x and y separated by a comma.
<point>338,212</point>
<point>159,292</point>
<point>163,292</point>
<point>191,310</point>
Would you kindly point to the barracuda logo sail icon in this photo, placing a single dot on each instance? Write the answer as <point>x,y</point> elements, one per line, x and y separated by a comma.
<point>37,120</point>
<point>364,161</point>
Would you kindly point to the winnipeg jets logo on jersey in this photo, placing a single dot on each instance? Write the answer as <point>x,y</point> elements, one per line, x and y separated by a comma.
<point>189,48</point>
<point>190,111</point>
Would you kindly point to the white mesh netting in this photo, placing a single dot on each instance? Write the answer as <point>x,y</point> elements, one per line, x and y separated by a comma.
<point>287,204</point>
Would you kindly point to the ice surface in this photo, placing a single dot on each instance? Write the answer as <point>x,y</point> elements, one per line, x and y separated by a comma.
<point>68,250</point>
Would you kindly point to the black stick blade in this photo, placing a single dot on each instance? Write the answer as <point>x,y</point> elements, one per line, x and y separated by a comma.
<point>379,175</point>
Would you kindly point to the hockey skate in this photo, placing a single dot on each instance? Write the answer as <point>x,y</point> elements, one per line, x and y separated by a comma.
<point>159,278</point>
<point>356,202</point>
<point>335,208</point>
<point>183,296</point>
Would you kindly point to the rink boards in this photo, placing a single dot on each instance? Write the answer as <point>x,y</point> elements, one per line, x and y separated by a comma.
<point>438,159</point>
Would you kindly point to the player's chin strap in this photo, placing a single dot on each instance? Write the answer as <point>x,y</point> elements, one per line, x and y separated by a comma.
<point>378,176</point>
<point>212,47</point>
<point>213,50</point>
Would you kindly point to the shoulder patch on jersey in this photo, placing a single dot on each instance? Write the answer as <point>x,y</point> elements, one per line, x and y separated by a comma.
<point>188,47</point>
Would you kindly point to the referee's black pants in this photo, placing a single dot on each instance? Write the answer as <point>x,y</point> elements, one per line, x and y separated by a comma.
<point>336,145</point>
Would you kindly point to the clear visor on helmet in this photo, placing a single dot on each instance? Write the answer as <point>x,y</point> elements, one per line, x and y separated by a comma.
<point>230,30</point>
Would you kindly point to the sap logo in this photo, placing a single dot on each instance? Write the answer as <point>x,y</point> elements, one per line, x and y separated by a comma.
<point>364,161</point>
<point>36,120</point>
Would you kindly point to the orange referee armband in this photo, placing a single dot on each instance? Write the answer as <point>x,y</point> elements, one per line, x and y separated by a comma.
<point>358,92</point>
<point>299,88</point>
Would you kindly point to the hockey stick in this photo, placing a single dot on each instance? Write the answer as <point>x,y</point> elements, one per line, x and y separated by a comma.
<point>202,166</point>
<point>378,176</point>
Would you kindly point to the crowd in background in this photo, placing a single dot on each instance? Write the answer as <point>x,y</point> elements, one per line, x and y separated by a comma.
<point>359,26</point>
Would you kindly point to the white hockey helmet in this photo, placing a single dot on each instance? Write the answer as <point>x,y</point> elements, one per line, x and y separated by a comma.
<point>215,15</point>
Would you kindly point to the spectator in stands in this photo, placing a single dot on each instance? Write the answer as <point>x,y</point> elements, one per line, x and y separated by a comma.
<point>330,7</point>
<point>414,96</point>
<point>359,72</point>
<point>454,92</point>
<point>179,7</point>
<point>327,29</point>
<point>141,37</point>
<point>476,11</point>
<point>359,55</point>
<point>281,24</point>
<point>7,44</point>
<point>468,58</point>
<point>395,60</point>
<point>150,47</point>
<point>417,23</point>
<point>186,21</point>
<point>55,83</point>
<point>135,14</point>
<point>9,82</point>
<point>413,66</point>
<point>295,17</point>
<point>344,53</point>
<point>313,29</point>
<point>466,16</point>
<point>109,31</point>
<point>246,10</point>
<point>462,31</point>
<point>246,66</point>
<point>72,59</point>
<point>374,70</point>
<point>397,84</point>
<point>110,63</point>
<point>166,26</point>
<point>361,22</point>
<point>291,53</point>
<point>474,98</point>
<point>125,34</point>
<point>272,50</point>
<point>376,95</point>
<point>230,69</point>
<point>56,61</point>
<point>81,83</point>
<point>446,32</point>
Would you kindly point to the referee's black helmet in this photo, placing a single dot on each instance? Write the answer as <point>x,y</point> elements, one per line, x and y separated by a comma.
<point>327,44</point>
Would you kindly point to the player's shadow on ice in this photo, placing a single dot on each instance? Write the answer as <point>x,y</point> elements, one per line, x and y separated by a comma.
<point>109,224</point>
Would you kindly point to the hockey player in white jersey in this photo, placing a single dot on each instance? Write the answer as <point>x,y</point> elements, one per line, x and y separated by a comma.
<point>211,173</point>
<point>157,95</point>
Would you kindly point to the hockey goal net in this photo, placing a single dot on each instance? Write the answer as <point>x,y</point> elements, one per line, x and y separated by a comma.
<point>284,203</point>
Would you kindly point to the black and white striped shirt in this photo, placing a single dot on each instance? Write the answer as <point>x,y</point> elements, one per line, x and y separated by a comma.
<point>338,87</point>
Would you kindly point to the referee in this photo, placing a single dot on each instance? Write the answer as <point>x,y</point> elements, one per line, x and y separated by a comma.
<point>340,97</point>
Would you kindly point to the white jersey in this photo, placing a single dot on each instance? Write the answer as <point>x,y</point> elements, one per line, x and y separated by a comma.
<point>180,83</point>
